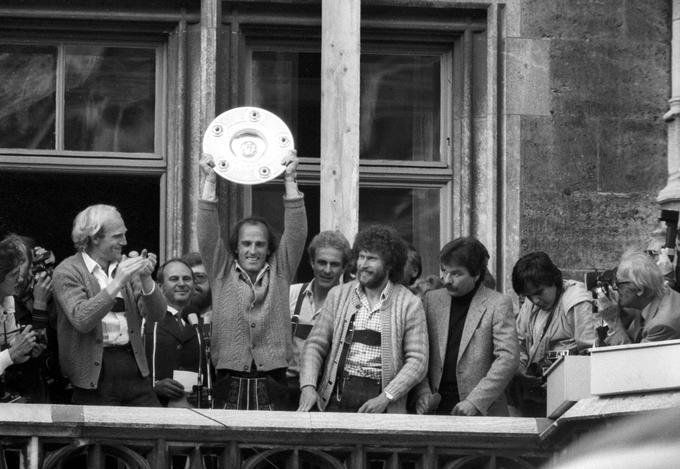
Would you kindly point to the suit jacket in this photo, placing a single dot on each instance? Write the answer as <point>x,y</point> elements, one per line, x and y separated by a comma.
<point>488,356</point>
<point>170,347</point>
<point>81,305</point>
<point>661,322</point>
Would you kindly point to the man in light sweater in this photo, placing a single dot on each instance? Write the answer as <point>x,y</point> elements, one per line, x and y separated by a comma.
<point>369,343</point>
<point>250,278</point>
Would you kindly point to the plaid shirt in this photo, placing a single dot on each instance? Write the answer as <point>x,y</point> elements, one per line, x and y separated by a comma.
<point>365,360</point>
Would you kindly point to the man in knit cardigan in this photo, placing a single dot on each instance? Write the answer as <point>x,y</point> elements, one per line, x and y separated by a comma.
<point>101,296</point>
<point>370,341</point>
<point>250,277</point>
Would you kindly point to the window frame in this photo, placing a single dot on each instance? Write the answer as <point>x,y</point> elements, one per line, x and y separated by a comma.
<point>61,159</point>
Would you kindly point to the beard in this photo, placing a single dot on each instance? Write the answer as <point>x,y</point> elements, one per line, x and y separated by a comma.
<point>201,300</point>
<point>374,280</point>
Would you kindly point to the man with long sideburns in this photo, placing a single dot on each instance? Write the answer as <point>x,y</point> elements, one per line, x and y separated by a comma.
<point>369,343</point>
<point>101,297</point>
<point>250,278</point>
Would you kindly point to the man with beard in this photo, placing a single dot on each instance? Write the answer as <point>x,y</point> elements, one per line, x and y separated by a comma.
<point>101,297</point>
<point>172,344</point>
<point>329,253</point>
<point>474,351</point>
<point>201,300</point>
<point>370,339</point>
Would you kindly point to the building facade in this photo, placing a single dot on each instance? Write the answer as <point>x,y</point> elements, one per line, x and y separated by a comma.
<point>529,124</point>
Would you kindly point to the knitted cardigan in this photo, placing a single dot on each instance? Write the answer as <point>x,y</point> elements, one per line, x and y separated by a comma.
<point>81,306</point>
<point>404,343</point>
<point>243,330</point>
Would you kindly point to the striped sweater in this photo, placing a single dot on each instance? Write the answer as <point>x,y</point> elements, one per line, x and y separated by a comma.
<point>404,343</point>
<point>246,329</point>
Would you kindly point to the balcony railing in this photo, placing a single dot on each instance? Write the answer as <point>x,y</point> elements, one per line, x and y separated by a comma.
<point>54,436</point>
<point>71,437</point>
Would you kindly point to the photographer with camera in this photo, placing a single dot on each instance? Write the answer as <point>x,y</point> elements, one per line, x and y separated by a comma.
<point>556,318</point>
<point>640,306</point>
<point>16,344</point>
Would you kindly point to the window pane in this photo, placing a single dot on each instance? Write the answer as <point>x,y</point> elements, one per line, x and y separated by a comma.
<point>414,213</point>
<point>289,85</point>
<point>27,96</point>
<point>110,99</point>
<point>400,106</point>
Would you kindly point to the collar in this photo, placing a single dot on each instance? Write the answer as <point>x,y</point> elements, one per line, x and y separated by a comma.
<point>7,305</point>
<point>260,274</point>
<point>92,265</point>
<point>359,289</point>
<point>173,311</point>
<point>309,291</point>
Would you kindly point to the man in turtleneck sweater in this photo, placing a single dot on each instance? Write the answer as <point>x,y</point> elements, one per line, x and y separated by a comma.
<point>474,350</point>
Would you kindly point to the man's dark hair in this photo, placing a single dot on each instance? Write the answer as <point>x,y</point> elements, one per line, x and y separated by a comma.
<point>467,252</point>
<point>272,243</point>
<point>386,242</point>
<point>11,255</point>
<point>535,269</point>
<point>160,276</point>
<point>192,258</point>
<point>413,256</point>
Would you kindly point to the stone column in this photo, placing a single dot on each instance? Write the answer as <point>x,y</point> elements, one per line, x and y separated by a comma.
<point>669,197</point>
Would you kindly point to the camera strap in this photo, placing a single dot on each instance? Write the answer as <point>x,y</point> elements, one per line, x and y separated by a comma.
<point>534,312</point>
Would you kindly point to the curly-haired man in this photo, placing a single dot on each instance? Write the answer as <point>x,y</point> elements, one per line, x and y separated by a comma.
<point>371,335</point>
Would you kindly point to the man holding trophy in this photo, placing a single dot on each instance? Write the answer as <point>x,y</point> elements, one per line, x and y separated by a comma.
<point>250,278</point>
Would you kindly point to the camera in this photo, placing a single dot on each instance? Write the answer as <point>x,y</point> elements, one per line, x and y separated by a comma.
<point>43,261</point>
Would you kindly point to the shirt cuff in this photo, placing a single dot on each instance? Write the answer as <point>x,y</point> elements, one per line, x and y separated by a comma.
<point>5,360</point>
<point>153,287</point>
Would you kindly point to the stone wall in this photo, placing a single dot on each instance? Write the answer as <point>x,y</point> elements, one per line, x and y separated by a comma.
<point>593,159</point>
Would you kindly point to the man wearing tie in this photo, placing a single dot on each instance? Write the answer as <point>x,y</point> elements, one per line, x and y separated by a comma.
<point>101,297</point>
<point>172,343</point>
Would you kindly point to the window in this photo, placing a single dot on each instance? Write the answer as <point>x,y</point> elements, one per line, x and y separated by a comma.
<point>404,166</point>
<point>65,98</point>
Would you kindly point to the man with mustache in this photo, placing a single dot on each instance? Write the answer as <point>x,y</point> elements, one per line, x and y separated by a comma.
<point>172,343</point>
<point>101,297</point>
<point>474,351</point>
<point>329,254</point>
<point>370,340</point>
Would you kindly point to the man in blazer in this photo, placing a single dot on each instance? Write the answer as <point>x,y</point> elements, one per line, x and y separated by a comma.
<point>101,296</point>
<point>172,343</point>
<point>474,350</point>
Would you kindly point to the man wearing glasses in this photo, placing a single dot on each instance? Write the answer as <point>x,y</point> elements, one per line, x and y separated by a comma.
<point>646,309</point>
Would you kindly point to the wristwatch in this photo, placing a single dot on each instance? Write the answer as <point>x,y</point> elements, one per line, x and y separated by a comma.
<point>389,396</point>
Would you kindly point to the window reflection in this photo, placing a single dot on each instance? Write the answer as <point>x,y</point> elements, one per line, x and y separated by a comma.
<point>27,96</point>
<point>414,213</point>
<point>110,99</point>
<point>400,107</point>
<point>400,101</point>
<point>289,85</point>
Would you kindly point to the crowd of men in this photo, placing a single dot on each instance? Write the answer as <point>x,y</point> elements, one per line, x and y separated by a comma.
<point>226,327</point>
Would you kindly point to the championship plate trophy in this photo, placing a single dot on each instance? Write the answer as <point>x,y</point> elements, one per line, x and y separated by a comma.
<point>248,145</point>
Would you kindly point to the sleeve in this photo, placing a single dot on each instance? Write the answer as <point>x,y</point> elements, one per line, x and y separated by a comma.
<point>506,361</point>
<point>152,307</point>
<point>318,343</point>
<point>294,237</point>
<point>5,360</point>
<point>71,293</point>
<point>416,351</point>
<point>585,325</point>
<point>521,328</point>
<point>214,253</point>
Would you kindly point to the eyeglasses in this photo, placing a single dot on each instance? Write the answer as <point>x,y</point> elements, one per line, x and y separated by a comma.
<point>617,285</point>
<point>200,278</point>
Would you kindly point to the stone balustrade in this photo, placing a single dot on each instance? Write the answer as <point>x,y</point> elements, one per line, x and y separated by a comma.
<point>56,436</point>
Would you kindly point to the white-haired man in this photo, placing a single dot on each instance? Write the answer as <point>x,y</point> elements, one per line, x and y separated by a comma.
<point>100,309</point>
<point>646,310</point>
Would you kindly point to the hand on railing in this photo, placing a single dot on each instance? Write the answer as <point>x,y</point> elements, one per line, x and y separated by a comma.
<point>308,398</point>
